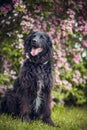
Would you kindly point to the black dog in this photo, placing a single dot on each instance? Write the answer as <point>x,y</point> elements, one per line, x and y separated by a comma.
<point>30,97</point>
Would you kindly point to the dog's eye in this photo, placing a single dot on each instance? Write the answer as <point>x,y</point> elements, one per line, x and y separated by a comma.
<point>41,37</point>
<point>34,36</point>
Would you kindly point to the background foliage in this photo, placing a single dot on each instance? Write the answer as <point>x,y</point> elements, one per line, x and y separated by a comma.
<point>66,23</point>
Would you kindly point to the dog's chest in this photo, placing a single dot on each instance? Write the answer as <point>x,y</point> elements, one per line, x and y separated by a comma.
<point>38,80</point>
<point>38,99</point>
<point>38,74</point>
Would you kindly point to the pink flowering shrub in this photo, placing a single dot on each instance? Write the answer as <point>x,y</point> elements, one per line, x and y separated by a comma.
<point>66,23</point>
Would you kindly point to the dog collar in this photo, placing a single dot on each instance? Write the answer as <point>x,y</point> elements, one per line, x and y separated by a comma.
<point>37,63</point>
<point>34,62</point>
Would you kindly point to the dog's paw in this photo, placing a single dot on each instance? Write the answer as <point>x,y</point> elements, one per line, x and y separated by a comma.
<point>48,121</point>
<point>25,118</point>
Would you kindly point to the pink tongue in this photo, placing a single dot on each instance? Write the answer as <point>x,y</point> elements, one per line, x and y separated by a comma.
<point>34,51</point>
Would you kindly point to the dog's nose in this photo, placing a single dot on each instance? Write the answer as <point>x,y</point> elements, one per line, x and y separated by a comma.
<point>34,40</point>
<point>34,43</point>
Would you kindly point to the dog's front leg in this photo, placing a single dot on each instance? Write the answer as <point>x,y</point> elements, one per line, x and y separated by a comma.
<point>47,119</point>
<point>47,113</point>
<point>25,109</point>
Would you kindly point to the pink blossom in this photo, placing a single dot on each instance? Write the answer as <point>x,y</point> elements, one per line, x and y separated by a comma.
<point>58,9</point>
<point>6,8</point>
<point>44,26</point>
<point>77,77</point>
<point>58,80</point>
<point>70,11</point>
<point>80,19</point>
<point>84,43</point>
<point>59,63</point>
<point>67,67</point>
<point>80,28</point>
<point>37,9</point>
<point>66,27</point>
<point>55,40</point>
<point>5,65</point>
<point>77,73</point>
<point>3,89</point>
<point>67,85</point>
<point>75,80</point>
<point>80,4</point>
<point>77,58</point>
<point>18,3</point>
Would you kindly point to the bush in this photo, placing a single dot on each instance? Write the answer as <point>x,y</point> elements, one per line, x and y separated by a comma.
<point>66,23</point>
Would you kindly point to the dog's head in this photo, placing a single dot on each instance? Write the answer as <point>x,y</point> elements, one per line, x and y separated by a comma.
<point>38,46</point>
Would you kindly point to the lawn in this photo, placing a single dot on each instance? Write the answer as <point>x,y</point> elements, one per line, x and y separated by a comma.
<point>68,118</point>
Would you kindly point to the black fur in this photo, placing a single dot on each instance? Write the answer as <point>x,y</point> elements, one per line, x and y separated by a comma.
<point>35,72</point>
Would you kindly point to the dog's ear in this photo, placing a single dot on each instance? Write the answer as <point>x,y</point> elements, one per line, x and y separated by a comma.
<point>27,43</point>
<point>49,41</point>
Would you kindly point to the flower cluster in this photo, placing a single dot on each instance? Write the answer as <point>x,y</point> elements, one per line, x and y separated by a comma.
<point>18,4</point>
<point>6,8</point>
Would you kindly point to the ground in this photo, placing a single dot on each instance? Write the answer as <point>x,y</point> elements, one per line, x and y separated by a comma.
<point>68,118</point>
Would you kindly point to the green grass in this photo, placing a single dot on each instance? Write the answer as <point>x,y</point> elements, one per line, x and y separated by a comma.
<point>68,118</point>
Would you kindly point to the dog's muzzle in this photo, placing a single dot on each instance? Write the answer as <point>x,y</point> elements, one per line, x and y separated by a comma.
<point>35,51</point>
